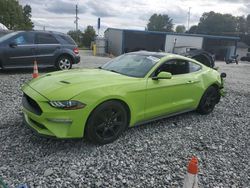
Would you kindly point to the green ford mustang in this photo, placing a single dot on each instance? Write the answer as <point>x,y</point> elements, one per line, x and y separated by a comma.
<point>132,89</point>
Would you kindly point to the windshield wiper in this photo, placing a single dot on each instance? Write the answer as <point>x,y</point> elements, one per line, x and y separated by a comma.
<point>110,70</point>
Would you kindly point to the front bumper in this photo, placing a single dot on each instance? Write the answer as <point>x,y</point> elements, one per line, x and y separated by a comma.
<point>222,91</point>
<point>77,59</point>
<point>51,121</point>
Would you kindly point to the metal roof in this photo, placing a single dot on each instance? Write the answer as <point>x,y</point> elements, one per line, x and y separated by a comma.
<point>179,34</point>
<point>242,45</point>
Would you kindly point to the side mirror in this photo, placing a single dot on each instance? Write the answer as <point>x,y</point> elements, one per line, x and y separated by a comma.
<point>223,75</point>
<point>13,44</point>
<point>163,75</point>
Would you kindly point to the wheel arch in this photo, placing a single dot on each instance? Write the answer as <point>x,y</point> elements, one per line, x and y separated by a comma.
<point>125,105</point>
<point>215,85</point>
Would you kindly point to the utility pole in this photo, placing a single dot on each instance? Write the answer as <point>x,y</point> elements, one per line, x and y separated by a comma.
<point>76,20</point>
<point>98,25</point>
<point>189,9</point>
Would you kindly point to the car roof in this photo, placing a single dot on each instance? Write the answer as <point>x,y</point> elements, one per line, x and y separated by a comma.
<point>42,31</point>
<point>149,53</point>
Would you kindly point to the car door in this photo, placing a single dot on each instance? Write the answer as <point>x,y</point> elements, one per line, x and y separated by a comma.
<point>47,45</point>
<point>180,93</point>
<point>20,50</point>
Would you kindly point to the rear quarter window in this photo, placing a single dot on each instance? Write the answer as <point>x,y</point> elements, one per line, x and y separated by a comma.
<point>67,39</point>
<point>193,67</point>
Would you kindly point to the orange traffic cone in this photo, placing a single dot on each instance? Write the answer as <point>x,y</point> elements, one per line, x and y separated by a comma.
<point>35,70</point>
<point>191,178</point>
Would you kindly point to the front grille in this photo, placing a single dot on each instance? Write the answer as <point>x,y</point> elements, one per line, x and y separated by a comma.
<point>31,105</point>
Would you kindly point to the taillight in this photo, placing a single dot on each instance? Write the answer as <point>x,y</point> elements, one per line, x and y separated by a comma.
<point>76,50</point>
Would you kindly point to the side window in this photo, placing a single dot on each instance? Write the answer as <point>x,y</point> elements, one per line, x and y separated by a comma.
<point>175,67</point>
<point>23,39</point>
<point>45,38</point>
<point>178,66</point>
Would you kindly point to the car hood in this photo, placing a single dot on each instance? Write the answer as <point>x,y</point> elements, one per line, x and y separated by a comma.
<point>64,85</point>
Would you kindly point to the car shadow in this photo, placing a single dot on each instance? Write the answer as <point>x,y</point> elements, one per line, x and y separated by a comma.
<point>73,143</point>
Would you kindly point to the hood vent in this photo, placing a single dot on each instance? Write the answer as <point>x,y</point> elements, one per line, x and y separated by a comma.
<point>65,82</point>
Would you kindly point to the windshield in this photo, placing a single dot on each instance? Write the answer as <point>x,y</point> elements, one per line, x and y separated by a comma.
<point>7,36</point>
<point>131,65</point>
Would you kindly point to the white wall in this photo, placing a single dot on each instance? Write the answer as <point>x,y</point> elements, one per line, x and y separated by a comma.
<point>182,42</point>
<point>242,52</point>
<point>114,41</point>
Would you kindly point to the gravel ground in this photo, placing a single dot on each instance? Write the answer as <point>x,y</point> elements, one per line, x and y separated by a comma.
<point>151,155</point>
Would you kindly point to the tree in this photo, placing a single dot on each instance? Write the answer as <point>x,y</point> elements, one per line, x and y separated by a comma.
<point>88,36</point>
<point>28,25</point>
<point>216,23</point>
<point>14,16</point>
<point>160,22</point>
<point>76,35</point>
<point>241,24</point>
<point>180,29</point>
<point>193,29</point>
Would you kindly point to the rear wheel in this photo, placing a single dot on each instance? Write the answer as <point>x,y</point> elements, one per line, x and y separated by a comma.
<point>64,63</point>
<point>106,123</point>
<point>208,101</point>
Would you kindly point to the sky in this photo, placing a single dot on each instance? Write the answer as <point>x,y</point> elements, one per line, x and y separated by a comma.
<point>59,15</point>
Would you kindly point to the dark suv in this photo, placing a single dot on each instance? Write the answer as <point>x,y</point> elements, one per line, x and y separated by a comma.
<point>20,49</point>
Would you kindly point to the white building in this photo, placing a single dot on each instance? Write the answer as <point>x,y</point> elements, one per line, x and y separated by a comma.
<point>242,49</point>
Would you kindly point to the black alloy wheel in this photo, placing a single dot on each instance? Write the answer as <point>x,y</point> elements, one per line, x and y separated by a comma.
<point>107,122</point>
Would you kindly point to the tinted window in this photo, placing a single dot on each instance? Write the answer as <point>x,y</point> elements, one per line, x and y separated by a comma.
<point>67,39</point>
<point>45,38</point>
<point>7,36</point>
<point>22,38</point>
<point>178,67</point>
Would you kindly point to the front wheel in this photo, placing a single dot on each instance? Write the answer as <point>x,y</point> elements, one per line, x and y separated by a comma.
<point>208,101</point>
<point>106,123</point>
<point>64,63</point>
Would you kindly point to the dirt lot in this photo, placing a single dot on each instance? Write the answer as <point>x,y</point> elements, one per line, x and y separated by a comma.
<point>151,155</point>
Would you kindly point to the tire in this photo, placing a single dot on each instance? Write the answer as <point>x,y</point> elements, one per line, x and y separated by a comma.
<point>106,123</point>
<point>208,101</point>
<point>64,62</point>
<point>204,60</point>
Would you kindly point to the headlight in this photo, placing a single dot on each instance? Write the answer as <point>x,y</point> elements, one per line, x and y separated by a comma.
<point>67,105</point>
